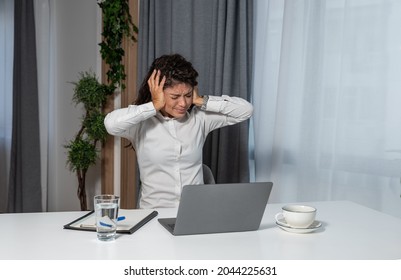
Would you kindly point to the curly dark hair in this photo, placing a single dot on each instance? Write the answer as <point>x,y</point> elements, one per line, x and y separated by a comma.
<point>176,69</point>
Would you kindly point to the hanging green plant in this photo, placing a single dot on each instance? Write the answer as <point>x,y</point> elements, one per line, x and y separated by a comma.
<point>117,24</point>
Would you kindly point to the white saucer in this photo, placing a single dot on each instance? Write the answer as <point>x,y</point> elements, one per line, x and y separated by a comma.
<point>284,226</point>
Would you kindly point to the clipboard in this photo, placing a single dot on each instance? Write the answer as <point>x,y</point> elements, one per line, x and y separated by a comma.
<point>134,220</point>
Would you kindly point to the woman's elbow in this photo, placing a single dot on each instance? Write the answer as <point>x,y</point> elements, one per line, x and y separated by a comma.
<point>249,110</point>
<point>108,124</point>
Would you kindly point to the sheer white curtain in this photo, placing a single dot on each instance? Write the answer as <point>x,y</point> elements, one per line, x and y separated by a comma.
<point>67,36</point>
<point>45,48</point>
<point>327,96</point>
<point>6,89</point>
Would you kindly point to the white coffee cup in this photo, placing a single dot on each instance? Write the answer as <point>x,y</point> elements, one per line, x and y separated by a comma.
<point>297,216</point>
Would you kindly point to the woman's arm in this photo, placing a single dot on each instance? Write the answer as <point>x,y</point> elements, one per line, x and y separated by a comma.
<point>235,109</point>
<point>222,110</point>
<point>119,121</point>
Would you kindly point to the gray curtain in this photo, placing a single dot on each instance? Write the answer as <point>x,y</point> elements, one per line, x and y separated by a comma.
<point>216,36</point>
<point>24,192</point>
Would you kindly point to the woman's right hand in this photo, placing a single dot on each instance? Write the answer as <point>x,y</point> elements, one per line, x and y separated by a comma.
<point>156,89</point>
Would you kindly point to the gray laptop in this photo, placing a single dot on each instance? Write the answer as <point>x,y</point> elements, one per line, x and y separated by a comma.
<point>215,208</point>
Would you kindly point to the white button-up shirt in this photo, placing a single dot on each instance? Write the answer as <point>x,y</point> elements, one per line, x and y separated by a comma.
<point>169,150</point>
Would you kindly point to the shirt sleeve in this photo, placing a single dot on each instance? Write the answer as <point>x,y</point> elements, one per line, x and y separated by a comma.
<point>120,121</point>
<point>226,110</point>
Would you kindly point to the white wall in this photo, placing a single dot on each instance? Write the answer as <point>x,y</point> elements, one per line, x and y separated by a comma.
<point>74,49</point>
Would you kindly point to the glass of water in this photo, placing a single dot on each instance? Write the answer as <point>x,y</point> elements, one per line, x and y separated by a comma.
<point>106,213</point>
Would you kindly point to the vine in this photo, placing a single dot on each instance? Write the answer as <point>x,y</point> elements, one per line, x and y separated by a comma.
<point>117,24</point>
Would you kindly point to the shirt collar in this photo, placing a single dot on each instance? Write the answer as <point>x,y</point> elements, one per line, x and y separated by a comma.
<point>164,118</point>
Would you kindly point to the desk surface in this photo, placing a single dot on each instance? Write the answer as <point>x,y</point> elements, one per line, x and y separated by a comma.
<point>349,231</point>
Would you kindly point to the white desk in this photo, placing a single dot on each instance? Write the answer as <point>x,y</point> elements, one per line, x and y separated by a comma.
<point>349,231</point>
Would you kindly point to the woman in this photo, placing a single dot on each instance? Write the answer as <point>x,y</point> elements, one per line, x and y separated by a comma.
<point>168,125</point>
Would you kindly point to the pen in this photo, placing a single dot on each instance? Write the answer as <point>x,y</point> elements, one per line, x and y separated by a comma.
<point>121,218</point>
<point>87,226</point>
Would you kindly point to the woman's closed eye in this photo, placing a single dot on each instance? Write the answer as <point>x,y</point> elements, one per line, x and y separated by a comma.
<point>174,97</point>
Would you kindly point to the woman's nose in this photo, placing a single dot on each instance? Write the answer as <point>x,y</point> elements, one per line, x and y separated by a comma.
<point>182,101</point>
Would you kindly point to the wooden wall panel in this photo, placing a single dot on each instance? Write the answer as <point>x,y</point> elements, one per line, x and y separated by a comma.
<point>128,173</point>
<point>107,153</point>
<point>128,157</point>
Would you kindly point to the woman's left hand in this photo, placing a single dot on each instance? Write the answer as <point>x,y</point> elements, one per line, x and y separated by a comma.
<point>197,100</point>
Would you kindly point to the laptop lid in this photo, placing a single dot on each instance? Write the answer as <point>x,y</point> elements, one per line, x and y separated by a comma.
<point>215,208</point>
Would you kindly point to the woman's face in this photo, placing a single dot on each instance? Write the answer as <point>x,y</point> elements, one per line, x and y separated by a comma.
<point>178,99</point>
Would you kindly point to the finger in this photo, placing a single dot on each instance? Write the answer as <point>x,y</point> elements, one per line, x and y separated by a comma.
<point>152,78</point>
<point>158,79</point>
<point>195,94</point>
<point>163,80</point>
